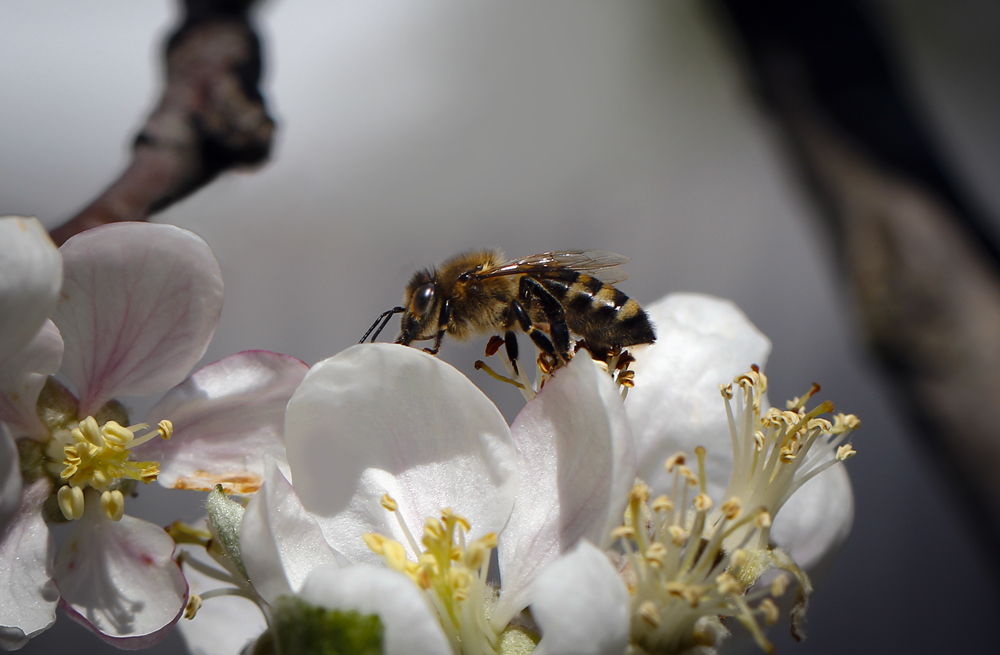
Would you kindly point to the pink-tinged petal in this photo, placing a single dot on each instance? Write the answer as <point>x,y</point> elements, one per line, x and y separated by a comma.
<point>22,377</point>
<point>28,595</point>
<point>10,478</point>
<point>410,626</point>
<point>227,417</point>
<point>30,279</point>
<point>139,304</point>
<point>816,521</point>
<point>279,541</point>
<point>120,579</point>
<point>582,605</point>
<point>576,466</point>
<point>383,418</point>
<point>224,625</point>
<point>701,342</point>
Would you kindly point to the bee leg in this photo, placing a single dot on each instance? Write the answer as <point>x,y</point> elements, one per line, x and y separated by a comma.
<point>558,329</point>
<point>443,319</point>
<point>539,337</point>
<point>510,342</point>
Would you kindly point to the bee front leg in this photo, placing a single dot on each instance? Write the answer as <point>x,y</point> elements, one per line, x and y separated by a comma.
<point>443,319</point>
<point>530,289</point>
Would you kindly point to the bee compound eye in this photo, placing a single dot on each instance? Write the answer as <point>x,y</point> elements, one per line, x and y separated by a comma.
<point>422,299</point>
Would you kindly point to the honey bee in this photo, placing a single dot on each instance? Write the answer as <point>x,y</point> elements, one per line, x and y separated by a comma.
<point>547,296</point>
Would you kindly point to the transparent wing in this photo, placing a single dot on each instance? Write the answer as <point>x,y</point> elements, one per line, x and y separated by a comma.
<point>598,263</point>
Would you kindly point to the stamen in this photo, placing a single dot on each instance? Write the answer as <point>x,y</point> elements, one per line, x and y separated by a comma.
<point>483,366</point>
<point>192,607</point>
<point>70,502</point>
<point>113,505</point>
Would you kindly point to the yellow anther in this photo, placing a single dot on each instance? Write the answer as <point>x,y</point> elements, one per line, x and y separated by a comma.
<point>846,451</point>
<point>656,554</point>
<point>732,508</point>
<point>394,555</point>
<point>726,390</point>
<point>476,555</point>
<point>769,610</point>
<point>763,520</point>
<point>389,503</point>
<point>640,492</point>
<point>702,502</point>
<point>375,542</point>
<point>116,435</point>
<point>433,530</point>
<point>728,584</point>
<point>650,614</point>
<point>779,586</point>
<point>192,607</point>
<point>758,441</point>
<point>623,532</point>
<point>89,431</point>
<point>689,476</point>
<point>663,504</point>
<point>113,505</point>
<point>738,559</point>
<point>674,461</point>
<point>844,422</point>
<point>423,577</point>
<point>489,540</point>
<point>678,535</point>
<point>165,428</point>
<point>70,501</point>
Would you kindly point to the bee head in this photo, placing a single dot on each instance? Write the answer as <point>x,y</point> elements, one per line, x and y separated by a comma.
<point>422,306</point>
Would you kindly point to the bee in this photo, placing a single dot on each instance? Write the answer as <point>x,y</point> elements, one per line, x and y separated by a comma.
<point>546,296</point>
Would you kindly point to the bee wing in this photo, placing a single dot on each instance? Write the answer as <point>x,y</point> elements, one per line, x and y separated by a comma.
<point>600,264</point>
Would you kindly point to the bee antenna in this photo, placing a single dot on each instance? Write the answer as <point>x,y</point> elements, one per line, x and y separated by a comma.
<point>381,322</point>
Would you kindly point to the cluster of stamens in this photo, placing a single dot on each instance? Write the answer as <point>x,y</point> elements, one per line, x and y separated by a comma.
<point>680,577</point>
<point>451,572</point>
<point>775,452</point>
<point>93,456</point>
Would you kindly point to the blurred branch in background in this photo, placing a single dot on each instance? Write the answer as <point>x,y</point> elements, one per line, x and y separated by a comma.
<point>922,265</point>
<point>211,118</point>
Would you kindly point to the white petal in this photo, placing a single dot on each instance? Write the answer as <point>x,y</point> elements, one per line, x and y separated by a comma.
<point>28,595</point>
<point>227,417</point>
<point>576,467</point>
<point>30,279</point>
<point>383,418</point>
<point>120,579</point>
<point>279,541</point>
<point>225,624</point>
<point>22,377</point>
<point>139,305</point>
<point>701,342</point>
<point>582,605</point>
<point>816,521</point>
<point>410,626</point>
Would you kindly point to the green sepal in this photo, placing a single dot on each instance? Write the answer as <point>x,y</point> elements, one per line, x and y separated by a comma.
<point>298,628</point>
<point>224,519</point>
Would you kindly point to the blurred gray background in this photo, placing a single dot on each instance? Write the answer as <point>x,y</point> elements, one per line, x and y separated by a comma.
<point>410,131</point>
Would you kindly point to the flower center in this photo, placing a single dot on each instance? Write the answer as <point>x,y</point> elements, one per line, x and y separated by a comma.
<point>450,572</point>
<point>97,456</point>
<point>679,576</point>
<point>776,452</point>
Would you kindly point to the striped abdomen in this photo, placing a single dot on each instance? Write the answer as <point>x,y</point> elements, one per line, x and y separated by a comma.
<point>601,314</point>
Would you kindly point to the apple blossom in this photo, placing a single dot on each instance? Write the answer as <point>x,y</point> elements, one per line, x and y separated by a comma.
<point>138,307</point>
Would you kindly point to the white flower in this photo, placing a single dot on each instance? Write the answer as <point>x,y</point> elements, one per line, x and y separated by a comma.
<point>686,564</point>
<point>702,343</point>
<point>387,444</point>
<point>138,308</point>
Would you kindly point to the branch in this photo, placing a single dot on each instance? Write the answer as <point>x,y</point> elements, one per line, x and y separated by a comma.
<point>922,265</point>
<point>211,118</point>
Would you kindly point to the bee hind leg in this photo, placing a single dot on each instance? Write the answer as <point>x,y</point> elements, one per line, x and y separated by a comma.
<point>558,339</point>
<point>537,336</point>
<point>510,343</point>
